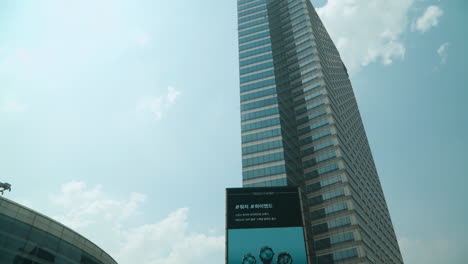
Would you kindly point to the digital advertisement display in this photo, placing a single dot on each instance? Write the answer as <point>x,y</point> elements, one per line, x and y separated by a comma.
<point>264,226</point>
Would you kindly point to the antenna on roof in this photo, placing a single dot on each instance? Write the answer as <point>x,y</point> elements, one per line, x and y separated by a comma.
<point>5,187</point>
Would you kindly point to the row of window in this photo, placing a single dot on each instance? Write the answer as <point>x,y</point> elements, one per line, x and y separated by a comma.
<point>257,76</point>
<point>279,169</point>
<point>317,114</point>
<point>259,114</point>
<point>315,104</point>
<point>326,196</point>
<point>261,135</point>
<point>335,223</point>
<point>253,23</point>
<point>311,116</point>
<point>331,258</point>
<point>257,85</point>
<point>344,221</point>
<point>308,61</point>
<point>269,183</point>
<point>257,67</point>
<point>301,49</point>
<point>304,40</point>
<point>330,241</point>
<point>333,194</point>
<point>341,238</point>
<point>256,59</point>
<point>310,87</point>
<point>325,156</point>
<point>298,21</point>
<point>303,55</point>
<point>318,185</point>
<point>260,124</point>
<point>296,16</point>
<point>313,126</point>
<point>320,213</point>
<point>262,159</point>
<point>295,10</point>
<point>304,32</point>
<point>252,17</point>
<point>336,208</point>
<point>330,181</point>
<point>255,44</point>
<point>253,37</point>
<point>260,103</point>
<point>258,94</point>
<point>253,30</point>
<point>310,69</point>
<point>317,147</point>
<point>315,136</point>
<point>328,168</point>
<point>253,52</point>
<point>243,7</point>
<point>318,159</point>
<point>311,78</point>
<point>241,2</point>
<point>251,11</point>
<point>262,147</point>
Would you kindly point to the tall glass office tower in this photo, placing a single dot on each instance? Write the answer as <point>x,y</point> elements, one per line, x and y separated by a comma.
<point>301,126</point>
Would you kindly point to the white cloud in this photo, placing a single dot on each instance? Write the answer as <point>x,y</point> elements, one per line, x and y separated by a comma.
<point>88,204</point>
<point>367,31</point>
<point>13,106</point>
<point>142,38</point>
<point>170,242</point>
<point>102,219</point>
<point>157,106</point>
<point>429,19</point>
<point>443,52</point>
<point>431,251</point>
<point>172,95</point>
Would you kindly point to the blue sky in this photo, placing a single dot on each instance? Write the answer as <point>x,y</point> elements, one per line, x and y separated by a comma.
<point>121,118</point>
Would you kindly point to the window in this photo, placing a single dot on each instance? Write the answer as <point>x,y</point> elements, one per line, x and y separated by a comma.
<point>341,238</point>
<point>259,114</point>
<point>258,104</point>
<point>336,208</point>
<point>325,156</point>
<point>349,253</point>
<point>330,181</point>
<point>328,168</point>
<point>258,94</point>
<point>333,194</point>
<point>262,159</point>
<point>339,222</point>
<point>262,147</point>
<point>256,85</point>
<point>261,135</point>
<point>261,124</point>
<point>264,172</point>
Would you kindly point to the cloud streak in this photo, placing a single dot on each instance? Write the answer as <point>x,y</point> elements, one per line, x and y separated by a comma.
<point>442,51</point>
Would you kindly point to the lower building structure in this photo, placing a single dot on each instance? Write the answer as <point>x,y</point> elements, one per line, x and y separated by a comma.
<point>28,237</point>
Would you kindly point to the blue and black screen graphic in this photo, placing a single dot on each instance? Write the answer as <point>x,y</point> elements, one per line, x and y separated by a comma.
<point>264,226</point>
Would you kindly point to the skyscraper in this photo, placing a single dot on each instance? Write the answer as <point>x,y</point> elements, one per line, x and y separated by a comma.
<point>301,127</point>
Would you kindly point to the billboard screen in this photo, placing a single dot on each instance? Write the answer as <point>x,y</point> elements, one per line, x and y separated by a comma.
<point>264,226</point>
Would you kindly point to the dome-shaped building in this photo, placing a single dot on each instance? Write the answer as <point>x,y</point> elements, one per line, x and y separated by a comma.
<point>28,237</point>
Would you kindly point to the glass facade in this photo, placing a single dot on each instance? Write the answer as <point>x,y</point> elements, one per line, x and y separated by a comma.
<point>27,237</point>
<point>301,126</point>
